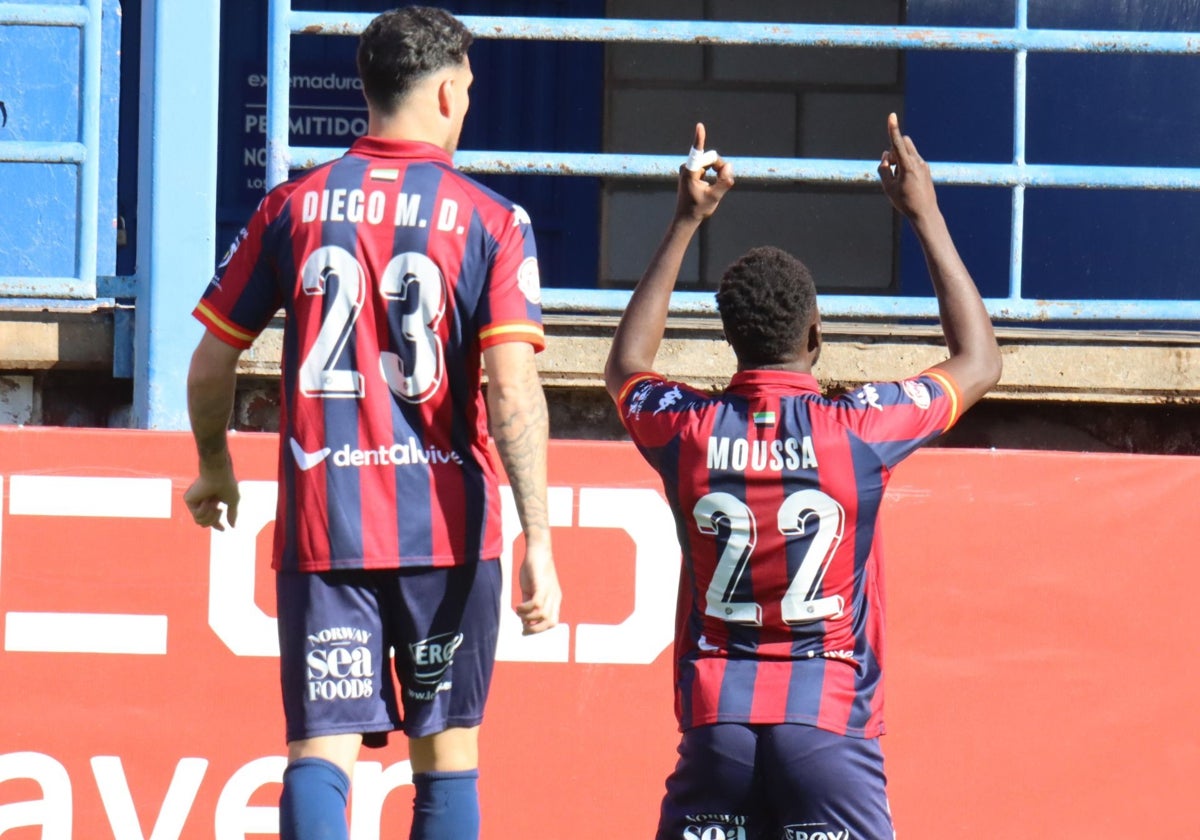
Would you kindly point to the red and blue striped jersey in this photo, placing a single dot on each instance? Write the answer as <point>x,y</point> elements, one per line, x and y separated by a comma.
<point>394,272</point>
<point>776,491</point>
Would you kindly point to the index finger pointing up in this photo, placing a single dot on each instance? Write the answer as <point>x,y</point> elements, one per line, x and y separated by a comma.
<point>698,142</point>
<point>893,124</point>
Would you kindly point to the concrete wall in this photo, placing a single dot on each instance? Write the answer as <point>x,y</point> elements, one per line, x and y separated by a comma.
<point>754,101</point>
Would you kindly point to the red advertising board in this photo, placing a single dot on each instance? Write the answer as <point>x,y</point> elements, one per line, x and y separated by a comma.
<point>1038,679</point>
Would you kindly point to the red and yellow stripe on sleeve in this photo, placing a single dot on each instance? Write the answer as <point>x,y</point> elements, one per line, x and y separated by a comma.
<point>223,328</point>
<point>502,331</point>
<point>631,383</point>
<point>952,391</point>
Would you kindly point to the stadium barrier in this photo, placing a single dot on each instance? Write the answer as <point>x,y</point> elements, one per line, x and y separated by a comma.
<point>1019,40</point>
<point>83,153</point>
<point>1035,686</point>
<point>177,157</point>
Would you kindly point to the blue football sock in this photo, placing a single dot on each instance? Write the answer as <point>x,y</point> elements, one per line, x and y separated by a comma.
<point>313,804</point>
<point>446,806</point>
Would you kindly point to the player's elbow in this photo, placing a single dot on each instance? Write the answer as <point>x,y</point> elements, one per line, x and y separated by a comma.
<point>994,368</point>
<point>991,363</point>
<point>614,375</point>
<point>985,367</point>
<point>980,375</point>
<point>213,365</point>
<point>623,362</point>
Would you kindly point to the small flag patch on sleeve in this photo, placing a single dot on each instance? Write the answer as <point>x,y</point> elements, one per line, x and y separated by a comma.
<point>764,418</point>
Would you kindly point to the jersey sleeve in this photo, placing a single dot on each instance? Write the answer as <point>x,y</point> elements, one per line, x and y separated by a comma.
<point>512,302</point>
<point>897,418</point>
<point>244,294</point>
<point>655,410</point>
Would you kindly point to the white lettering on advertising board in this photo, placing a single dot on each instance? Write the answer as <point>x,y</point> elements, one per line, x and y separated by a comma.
<point>233,819</point>
<point>246,630</point>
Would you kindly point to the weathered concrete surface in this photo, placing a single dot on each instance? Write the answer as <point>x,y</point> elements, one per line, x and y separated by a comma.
<point>16,400</point>
<point>65,340</point>
<point>1039,364</point>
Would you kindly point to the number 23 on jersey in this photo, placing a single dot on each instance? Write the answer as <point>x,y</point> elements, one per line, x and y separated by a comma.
<point>411,280</point>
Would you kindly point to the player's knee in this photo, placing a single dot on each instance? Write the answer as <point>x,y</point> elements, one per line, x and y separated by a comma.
<point>451,750</point>
<point>339,750</point>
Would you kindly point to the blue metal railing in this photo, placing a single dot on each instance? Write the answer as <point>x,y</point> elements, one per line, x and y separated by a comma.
<point>1017,175</point>
<point>84,154</point>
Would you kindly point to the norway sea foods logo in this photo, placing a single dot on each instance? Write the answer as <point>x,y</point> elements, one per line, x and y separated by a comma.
<point>340,664</point>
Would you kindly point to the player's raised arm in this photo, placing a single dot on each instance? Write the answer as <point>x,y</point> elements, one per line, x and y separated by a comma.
<point>640,330</point>
<point>974,362</point>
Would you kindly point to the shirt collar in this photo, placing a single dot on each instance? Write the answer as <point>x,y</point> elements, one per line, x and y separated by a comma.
<point>377,147</point>
<point>773,381</point>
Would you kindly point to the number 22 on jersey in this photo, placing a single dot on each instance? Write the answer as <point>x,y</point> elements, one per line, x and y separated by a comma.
<point>808,515</point>
<point>413,280</point>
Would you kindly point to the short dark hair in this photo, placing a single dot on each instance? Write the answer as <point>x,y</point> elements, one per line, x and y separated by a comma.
<point>766,300</point>
<point>401,46</point>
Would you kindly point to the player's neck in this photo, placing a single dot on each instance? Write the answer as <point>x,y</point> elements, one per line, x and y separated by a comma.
<point>797,366</point>
<point>411,128</point>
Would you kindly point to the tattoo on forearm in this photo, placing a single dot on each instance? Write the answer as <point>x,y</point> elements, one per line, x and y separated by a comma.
<point>521,435</point>
<point>212,446</point>
<point>209,412</point>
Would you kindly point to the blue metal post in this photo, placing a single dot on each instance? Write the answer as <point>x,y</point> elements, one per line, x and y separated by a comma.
<point>279,72</point>
<point>881,308</point>
<point>714,32</point>
<point>88,208</point>
<point>1020,110</point>
<point>177,202</point>
<point>811,170</point>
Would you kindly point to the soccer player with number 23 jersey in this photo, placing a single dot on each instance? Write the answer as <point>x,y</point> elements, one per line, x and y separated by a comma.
<point>396,274</point>
<point>775,491</point>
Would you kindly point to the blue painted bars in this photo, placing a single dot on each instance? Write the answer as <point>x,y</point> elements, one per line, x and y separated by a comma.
<point>1017,175</point>
<point>177,200</point>
<point>85,153</point>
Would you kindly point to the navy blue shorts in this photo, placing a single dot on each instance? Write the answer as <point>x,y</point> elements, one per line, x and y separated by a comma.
<point>782,782</point>
<point>337,631</point>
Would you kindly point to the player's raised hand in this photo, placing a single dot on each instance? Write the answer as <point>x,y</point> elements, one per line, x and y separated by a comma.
<point>698,197</point>
<point>540,591</point>
<point>905,174</point>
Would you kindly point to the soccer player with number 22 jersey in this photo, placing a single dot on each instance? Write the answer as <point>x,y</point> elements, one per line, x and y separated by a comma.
<point>775,491</point>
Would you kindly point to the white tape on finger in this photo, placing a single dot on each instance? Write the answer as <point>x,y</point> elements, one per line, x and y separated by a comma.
<point>698,160</point>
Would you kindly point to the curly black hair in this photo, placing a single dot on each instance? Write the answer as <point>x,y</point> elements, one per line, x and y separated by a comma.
<point>401,46</point>
<point>766,299</point>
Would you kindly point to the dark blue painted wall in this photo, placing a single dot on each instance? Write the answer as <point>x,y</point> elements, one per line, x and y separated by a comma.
<point>527,95</point>
<point>1082,109</point>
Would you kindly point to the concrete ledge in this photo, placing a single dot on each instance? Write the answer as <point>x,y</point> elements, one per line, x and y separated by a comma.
<point>1058,365</point>
<point>1039,364</point>
<point>67,339</point>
